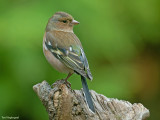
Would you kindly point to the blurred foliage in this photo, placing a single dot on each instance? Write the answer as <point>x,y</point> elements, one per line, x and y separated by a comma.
<point>121,40</point>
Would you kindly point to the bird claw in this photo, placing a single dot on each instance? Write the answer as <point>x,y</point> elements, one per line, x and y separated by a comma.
<point>68,83</point>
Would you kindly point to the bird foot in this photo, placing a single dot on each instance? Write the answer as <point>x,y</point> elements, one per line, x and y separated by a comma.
<point>67,83</point>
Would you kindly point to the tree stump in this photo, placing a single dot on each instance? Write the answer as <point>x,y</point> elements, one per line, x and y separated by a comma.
<point>63,103</point>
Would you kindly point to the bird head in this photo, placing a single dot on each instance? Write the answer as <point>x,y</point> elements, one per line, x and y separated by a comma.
<point>61,21</point>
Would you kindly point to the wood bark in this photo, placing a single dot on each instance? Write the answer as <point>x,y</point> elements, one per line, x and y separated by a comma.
<point>63,103</point>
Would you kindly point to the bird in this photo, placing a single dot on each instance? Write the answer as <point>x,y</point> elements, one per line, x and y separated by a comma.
<point>64,51</point>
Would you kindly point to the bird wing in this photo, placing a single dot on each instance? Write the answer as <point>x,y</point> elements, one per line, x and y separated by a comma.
<point>67,48</point>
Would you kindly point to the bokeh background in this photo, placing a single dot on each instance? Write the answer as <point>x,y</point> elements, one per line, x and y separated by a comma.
<point>121,40</point>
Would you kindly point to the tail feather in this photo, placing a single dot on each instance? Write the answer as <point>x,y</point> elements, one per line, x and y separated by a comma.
<point>87,94</point>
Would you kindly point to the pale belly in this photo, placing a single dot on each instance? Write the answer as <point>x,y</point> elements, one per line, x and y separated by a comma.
<point>59,66</point>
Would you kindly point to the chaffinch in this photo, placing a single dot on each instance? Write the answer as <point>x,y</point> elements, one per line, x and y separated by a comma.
<point>64,51</point>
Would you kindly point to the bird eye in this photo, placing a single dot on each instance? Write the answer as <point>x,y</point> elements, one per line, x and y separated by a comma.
<point>64,21</point>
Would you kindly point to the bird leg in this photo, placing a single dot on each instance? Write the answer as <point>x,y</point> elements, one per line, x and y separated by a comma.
<point>68,83</point>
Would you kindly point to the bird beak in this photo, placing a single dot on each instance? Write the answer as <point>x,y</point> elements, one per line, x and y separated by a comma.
<point>75,22</point>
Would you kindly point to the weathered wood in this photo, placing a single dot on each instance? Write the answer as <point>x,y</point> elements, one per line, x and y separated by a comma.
<point>63,103</point>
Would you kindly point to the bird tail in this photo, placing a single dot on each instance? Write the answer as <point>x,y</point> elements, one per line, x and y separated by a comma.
<point>87,94</point>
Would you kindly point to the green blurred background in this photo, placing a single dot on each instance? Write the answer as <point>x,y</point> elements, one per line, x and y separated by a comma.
<point>121,40</point>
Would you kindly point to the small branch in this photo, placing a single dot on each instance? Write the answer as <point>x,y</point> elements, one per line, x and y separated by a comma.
<point>63,103</point>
